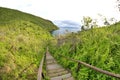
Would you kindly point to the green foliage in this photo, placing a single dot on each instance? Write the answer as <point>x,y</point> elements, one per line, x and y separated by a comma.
<point>23,39</point>
<point>86,22</point>
<point>99,47</point>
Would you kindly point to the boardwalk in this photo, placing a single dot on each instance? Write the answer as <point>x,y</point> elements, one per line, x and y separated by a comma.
<point>56,71</point>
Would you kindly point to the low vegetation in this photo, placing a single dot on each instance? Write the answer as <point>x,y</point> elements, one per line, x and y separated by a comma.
<point>99,47</point>
<point>9,15</point>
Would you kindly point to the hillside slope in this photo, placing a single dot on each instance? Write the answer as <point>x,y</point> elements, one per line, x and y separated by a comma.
<point>99,47</point>
<point>10,15</point>
<point>23,39</point>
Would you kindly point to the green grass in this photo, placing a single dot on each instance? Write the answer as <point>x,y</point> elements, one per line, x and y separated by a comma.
<point>23,41</point>
<point>9,15</point>
<point>99,47</point>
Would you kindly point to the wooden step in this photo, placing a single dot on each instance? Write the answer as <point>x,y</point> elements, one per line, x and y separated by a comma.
<point>61,77</point>
<point>53,66</point>
<point>49,57</point>
<point>56,70</point>
<point>58,73</point>
<point>70,78</point>
<point>48,54</point>
<point>51,62</point>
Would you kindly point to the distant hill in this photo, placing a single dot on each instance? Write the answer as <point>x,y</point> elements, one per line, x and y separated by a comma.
<point>10,15</point>
<point>23,40</point>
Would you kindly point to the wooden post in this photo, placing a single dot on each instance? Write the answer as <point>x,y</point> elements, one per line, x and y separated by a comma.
<point>78,67</point>
<point>39,76</point>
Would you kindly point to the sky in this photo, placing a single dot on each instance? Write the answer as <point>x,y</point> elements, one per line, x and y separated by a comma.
<point>73,10</point>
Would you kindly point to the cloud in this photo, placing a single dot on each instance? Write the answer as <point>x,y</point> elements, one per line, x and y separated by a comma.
<point>67,23</point>
<point>16,4</point>
<point>64,9</point>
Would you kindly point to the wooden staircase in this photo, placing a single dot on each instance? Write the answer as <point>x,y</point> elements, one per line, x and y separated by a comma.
<point>56,71</point>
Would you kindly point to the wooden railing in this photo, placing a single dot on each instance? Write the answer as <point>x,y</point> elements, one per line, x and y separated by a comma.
<point>39,77</point>
<point>92,67</point>
<point>40,73</point>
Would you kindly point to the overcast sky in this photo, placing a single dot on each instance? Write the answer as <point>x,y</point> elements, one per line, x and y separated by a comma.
<point>64,9</point>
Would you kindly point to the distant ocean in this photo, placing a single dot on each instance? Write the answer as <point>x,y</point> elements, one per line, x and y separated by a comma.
<point>64,30</point>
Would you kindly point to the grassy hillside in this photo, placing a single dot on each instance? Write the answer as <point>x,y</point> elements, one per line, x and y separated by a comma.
<point>99,47</point>
<point>10,15</point>
<point>23,39</point>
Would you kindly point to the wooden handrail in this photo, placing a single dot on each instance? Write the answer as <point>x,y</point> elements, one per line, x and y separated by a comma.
<point>93,67</point>
<point>39,76</point>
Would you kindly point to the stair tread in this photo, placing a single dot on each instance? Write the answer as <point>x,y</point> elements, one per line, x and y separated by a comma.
<point>49,57</point>
<point>56,70</point>
<point>51,62</point>
<point>53,66</point>
<point>62,77</point>
<point>58,73</point>
<point>70,78</point>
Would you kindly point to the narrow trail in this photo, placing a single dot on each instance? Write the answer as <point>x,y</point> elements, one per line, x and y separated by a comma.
<point>56,71</point>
